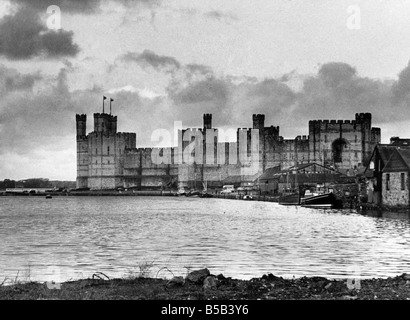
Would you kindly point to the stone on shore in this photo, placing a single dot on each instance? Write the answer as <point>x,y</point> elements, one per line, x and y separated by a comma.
<point>176,281</point>
<point>210,283</point>
<point>198,276</point>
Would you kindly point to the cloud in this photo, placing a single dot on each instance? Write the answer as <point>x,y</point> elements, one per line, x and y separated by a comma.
<point>11,80</point>
<point>338,92</point>
<point>401,89</point>
<point>150,58</point>
<point>23,36</point>
<point>211,89</point>
<point>220,15</point>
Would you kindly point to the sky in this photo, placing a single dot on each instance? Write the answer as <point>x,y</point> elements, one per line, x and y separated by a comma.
<point>165,61</point>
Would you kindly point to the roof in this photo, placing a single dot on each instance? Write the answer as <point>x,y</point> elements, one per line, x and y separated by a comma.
<point>269,173</point>
<point>275,172</point>
<point>399,160</point>
<point>385,152</point>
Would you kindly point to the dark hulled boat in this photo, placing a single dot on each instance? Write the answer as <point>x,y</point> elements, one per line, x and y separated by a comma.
<point>325,200</point>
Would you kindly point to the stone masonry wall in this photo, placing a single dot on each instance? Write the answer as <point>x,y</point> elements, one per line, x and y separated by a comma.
<point>395,196</point>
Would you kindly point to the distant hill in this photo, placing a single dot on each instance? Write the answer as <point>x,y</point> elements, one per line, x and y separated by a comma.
<point>37,183</point>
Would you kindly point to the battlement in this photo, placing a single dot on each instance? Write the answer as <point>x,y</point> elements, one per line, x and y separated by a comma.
<point>207,120</point>
<point>104,115</point>
<point>302,138</point>
<point>125,134</point>
<point>321,122</point>
<point>104,122</point>
<point>363,117</point>
<point>258,121</point>
<point>81,124</point>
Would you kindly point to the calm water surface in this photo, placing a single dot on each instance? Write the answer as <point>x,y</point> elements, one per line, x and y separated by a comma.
<point>73,237</point>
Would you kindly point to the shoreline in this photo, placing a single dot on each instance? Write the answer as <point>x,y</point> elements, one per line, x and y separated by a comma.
<point>201,285</point>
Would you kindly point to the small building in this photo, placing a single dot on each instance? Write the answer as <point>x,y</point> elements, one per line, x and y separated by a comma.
<point>389,185</point>
<point>275,181</point>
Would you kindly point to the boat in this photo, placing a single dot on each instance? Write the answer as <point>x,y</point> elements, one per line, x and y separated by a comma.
<point>48,196</point>
<point>205,194</point>
<point>247,197</point>
<point>321,197</point>
<point>289,197</point>
<point>193,193</point>
<point>326,200</point>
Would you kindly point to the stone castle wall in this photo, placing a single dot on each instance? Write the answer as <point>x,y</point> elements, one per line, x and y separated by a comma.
<point>107,159</point>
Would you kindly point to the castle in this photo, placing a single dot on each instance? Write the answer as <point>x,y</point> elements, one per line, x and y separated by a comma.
<point>107,159</point>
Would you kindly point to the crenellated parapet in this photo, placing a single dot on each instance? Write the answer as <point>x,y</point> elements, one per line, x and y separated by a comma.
<point>258,121</point>
<point>106,123</point>
<point>207,120</point>
<point>81,124</point>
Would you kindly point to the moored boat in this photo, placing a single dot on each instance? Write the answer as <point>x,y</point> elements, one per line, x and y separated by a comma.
<point>321,197</point>
<point>289,197</point>
<point>325,200</point>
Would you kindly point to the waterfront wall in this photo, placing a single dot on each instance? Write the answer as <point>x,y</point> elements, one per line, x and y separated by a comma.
<point>107,159</point>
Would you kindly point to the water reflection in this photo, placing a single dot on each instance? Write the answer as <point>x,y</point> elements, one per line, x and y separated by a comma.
<point>71,237</point>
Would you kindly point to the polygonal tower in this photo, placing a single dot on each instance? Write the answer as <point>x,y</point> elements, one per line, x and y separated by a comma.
<point>82,151</point>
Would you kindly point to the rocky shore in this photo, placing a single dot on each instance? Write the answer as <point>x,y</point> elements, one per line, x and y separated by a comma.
<point>202,285</point>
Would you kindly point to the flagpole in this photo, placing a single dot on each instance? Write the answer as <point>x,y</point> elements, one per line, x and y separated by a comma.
<point>110,104</point>
<point>103,102</point>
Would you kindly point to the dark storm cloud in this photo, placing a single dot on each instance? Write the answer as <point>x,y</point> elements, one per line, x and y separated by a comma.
<point>34,121</point>
<point>211,89</point>
<point>150,58</point>
<point>401,89</point>
<point>338,92</point>
<point>23,36</point>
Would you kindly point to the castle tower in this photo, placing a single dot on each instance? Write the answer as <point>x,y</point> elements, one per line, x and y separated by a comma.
<point>105,123</point>
<point>82,151</point>
<point>258,121</point>
<point>207,121</point>
<point>364,121</point>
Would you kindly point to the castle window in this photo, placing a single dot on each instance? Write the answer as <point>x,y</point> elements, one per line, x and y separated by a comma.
<point>96,162</point>
<point>403,181</point>
<point>96,151</point>
<point>108,161</point>
<point>108,150</point>
<point>355,154</point>
<point>387,181</point>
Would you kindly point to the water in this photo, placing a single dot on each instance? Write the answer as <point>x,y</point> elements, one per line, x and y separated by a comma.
<point>74,237</point>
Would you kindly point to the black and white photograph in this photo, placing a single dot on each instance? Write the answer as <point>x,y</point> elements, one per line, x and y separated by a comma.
<point>217,151</point>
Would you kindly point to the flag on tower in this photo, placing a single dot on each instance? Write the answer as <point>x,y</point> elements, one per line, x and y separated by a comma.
<point>104,97</point>
<point>111,100</point>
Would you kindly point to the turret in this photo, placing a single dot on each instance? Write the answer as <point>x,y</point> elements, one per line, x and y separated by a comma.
<point>81,121</point>
<point>207,121</point>
<point>105,123</point>
<point>364,118</point>
<point>258,121</point>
